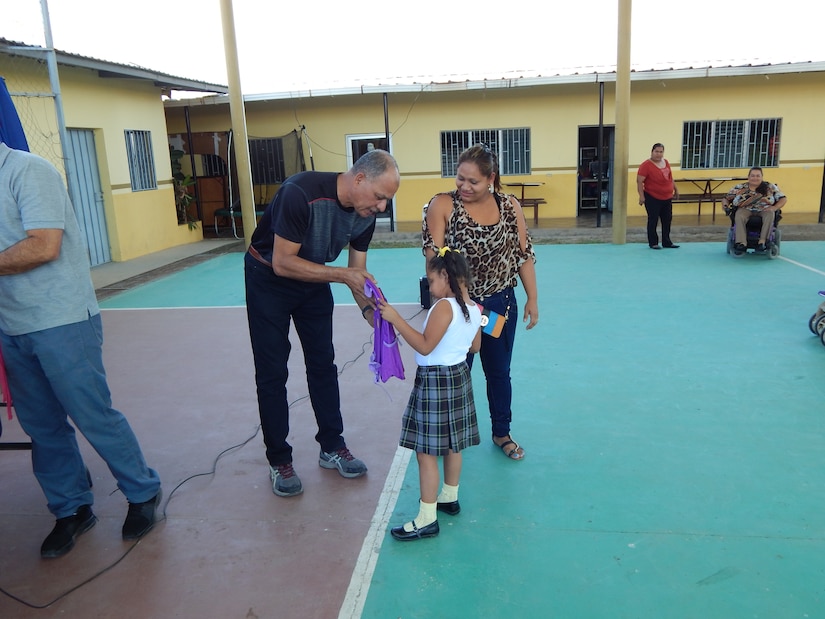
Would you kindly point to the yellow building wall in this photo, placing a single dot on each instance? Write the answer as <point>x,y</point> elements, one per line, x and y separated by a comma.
<point>659,108</point>
<point>137,223</point>
<point>36,113</point>
<point>554,115</point>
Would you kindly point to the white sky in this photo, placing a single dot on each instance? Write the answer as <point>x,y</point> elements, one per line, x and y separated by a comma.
<point>284,45</point>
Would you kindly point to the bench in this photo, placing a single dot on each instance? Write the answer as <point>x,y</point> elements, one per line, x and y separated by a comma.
<point>688,198</point>
<point>232,213</point>
<point>534,204</point>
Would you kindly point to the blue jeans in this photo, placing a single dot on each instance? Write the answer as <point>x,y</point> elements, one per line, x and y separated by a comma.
<point>496,354</point>
<point>271,303</point>
<point>56,375</point>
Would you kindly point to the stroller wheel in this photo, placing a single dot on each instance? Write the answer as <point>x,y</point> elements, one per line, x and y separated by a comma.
<point>822,337</point>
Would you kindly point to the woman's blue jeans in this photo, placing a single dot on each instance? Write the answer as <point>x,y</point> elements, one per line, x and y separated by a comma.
<point>55,375</point>
<point>273,302</point>
<point>496,354</point>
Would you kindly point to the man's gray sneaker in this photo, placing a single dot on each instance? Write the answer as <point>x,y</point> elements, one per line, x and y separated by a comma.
<point>284,480</point>
<point>341,459</point>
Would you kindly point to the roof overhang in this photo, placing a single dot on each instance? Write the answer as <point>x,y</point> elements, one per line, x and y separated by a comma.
<point>522,80</point>
<point>112,70</point>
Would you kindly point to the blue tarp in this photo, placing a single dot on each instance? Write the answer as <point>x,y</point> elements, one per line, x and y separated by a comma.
<point>11,130</point>
<point>11,133</point>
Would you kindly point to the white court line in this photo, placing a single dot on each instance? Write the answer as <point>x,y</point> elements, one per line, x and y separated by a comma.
<point>359,585</point>
<point>169,307</point>
<point>799,264</point>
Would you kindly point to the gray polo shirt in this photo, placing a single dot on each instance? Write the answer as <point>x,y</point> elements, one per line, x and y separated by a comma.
<point>33,196</point>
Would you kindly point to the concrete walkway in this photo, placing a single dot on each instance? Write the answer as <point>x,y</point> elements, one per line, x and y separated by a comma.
<point>114,277</point>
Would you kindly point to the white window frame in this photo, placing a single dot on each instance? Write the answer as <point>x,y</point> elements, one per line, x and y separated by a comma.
<point>141,160</point>
<point>717,144</point>
<point>512,147</point>
<point>354,143</point>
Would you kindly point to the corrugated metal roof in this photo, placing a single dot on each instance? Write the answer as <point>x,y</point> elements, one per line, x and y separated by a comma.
<point>522,79</point>
<point>106,69</point>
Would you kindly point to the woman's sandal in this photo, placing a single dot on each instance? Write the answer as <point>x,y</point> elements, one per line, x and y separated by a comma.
<point>514,453</point>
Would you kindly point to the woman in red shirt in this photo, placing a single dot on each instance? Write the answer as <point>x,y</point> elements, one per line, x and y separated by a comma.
<point>656,191</point>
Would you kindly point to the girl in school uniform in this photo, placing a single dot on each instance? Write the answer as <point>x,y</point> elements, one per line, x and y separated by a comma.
<point>440,418</point>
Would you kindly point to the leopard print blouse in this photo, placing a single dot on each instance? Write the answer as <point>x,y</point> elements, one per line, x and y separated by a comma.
<point>493,251</point>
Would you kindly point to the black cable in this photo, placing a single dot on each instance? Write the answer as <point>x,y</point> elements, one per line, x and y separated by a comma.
<point>171,494</point>
<point>397,129</point>
<point>407,117</point>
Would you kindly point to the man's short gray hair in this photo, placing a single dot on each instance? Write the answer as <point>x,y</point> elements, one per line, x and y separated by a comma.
<point>374,164</point>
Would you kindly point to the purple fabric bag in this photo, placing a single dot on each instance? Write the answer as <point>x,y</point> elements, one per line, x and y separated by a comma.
<point>385,361</point>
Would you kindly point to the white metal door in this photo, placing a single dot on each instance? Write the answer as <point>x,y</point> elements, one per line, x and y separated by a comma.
<point>359,144</point>
<point>87,194</point>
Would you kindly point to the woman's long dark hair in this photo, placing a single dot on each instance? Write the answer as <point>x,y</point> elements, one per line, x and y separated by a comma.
<point>458,272</point>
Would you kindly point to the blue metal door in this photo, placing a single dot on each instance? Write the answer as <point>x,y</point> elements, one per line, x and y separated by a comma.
<point>88,201</point>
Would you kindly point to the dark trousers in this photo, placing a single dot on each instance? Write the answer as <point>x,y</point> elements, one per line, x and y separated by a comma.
<point>496,355</point>
<point>271,303</point>
<point>656,210</point>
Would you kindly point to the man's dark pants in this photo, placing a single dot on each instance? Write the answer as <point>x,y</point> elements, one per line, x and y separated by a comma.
<point>271,302</point>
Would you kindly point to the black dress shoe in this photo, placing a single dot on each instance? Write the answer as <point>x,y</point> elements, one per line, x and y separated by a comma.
<point>671,246</point>
<point>140,518</point>
<point>655,247</point>
<point>66,531</point>
<point>431,530</point>
<point>452,508</point>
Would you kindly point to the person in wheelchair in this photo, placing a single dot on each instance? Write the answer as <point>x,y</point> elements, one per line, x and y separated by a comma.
<point>753,198</point>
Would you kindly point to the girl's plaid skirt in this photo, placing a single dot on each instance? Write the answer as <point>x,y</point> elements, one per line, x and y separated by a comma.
<point>441,412</point>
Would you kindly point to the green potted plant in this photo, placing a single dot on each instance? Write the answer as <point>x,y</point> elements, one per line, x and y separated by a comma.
<point>181,183</point>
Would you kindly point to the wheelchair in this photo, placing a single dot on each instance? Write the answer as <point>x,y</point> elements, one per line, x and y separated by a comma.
<point>817,322</point>
<point>754,228</point>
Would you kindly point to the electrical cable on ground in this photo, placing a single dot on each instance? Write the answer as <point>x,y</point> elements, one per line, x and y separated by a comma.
<point>211,472</point>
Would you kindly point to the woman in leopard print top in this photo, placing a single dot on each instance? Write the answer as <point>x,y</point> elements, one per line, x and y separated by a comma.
<point>489,228</point>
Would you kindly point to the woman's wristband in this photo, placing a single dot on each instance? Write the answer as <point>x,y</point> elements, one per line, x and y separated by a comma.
<point>364,310</point>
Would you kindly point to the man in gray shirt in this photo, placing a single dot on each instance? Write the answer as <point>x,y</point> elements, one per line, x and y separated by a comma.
<point>52,344</point>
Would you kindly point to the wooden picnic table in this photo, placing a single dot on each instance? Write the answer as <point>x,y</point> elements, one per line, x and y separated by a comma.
<point>707,186</point>
<point>529,202</point>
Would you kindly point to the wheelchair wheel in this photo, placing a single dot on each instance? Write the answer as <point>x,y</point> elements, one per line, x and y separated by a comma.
<point>777,239</point>
<point>817,323</point>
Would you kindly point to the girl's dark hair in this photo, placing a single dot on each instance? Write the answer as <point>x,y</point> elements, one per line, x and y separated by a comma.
<point>458,271</point>
<point>486,160</point>
<point>657,145</point>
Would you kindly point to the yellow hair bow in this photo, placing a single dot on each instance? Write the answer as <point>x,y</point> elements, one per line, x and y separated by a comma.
<point>443,251</point>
